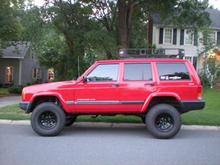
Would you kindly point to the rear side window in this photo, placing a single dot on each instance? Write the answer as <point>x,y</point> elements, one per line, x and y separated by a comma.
<point>137,72</point>
<point>172,71</point>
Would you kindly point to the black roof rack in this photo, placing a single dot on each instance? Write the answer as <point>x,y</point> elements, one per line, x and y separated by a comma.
<point>152,53</point>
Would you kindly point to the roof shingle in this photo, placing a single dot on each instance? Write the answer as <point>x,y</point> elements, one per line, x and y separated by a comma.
<point>17,51</point>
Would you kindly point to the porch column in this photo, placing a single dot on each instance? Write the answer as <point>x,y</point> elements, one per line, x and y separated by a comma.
<point>19,72</point>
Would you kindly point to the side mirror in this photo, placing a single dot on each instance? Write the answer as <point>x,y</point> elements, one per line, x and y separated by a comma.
<point>85,79</point>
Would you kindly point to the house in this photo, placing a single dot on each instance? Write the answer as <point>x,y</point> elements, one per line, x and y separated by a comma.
<point>168,36</point>
<point>18,66</point>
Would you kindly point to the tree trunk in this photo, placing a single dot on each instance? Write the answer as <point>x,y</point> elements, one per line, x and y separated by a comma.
<point>109,55</point>
<point>122,24</point>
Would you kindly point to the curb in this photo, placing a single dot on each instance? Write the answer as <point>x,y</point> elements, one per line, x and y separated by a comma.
<point>114,125</point>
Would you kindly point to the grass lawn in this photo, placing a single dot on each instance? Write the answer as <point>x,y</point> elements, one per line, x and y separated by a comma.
<point>3,91</point>
<point>13,112</point>
<point>209,116</point>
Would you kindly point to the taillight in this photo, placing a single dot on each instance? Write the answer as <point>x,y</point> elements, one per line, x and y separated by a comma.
<point>199,93</point>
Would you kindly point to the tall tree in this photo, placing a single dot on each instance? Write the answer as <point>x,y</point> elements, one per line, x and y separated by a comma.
<point>184,12</point>
<point>10,26</point>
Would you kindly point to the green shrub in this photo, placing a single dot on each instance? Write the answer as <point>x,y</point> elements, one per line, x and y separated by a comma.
<point>33,83</point>
<point>15,89</point>
<point>204,80</point>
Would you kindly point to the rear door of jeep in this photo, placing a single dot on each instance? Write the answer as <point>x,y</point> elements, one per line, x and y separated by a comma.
<point>136,84</point>
<point>177,77</point>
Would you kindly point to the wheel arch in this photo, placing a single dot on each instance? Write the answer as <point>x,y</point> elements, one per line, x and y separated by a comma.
<point>162,98</point>
<point>46,97</point>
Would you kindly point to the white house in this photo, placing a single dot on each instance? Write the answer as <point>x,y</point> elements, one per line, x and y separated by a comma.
<point>169,36</point>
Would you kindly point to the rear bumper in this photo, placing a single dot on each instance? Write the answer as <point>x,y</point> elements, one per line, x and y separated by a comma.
<point>25,106</point>
<point>189,105</point>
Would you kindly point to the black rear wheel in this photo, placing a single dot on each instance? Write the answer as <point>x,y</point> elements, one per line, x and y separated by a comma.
<point>47,119</point>
<point>163,121</point>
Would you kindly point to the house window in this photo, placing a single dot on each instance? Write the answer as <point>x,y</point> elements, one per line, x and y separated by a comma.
<point>9,74</point>
<point>189,36</point>
<point>36,74</point>
<point>168,35</point>
<point>50,74</point>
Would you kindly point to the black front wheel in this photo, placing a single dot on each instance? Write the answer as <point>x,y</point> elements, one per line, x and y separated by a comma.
<point>163,121</point>
<point>47,119</point>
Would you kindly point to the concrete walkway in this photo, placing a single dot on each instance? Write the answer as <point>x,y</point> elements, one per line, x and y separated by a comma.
<point>9,100</point>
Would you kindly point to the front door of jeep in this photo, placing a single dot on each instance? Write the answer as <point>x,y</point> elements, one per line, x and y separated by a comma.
<point>99,92</point>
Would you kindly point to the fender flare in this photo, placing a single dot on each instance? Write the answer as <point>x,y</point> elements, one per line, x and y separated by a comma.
<point>54,94</point>
<point>160,94</point>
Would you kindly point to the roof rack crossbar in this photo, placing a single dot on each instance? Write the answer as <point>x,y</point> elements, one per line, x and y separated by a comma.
<point>152,53</point>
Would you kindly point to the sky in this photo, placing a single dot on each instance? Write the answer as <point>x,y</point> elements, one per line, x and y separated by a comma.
<point>214,3</point>
<point>39,2</point>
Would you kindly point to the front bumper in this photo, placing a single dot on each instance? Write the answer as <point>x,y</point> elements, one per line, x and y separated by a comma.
<point>26,106</point>
<point>189,105</point>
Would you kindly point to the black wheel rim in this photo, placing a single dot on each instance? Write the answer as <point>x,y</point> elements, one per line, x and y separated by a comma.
<point>47,120</point>
<point>164,122</point>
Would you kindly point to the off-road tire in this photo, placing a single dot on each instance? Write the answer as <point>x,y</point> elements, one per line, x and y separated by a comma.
<point>163,121</point>
<point>48,119</point>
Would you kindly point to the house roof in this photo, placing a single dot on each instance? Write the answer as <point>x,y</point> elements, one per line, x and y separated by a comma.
<point>214,15</point>
<point>16,51</point>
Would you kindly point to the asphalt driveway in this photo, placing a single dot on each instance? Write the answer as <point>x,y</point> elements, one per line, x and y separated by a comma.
<point>9,100</point>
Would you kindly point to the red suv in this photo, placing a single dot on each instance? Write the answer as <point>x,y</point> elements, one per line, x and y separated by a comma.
<point>157,90</point>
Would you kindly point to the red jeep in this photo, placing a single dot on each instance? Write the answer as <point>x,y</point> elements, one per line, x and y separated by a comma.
<point>157,90</point>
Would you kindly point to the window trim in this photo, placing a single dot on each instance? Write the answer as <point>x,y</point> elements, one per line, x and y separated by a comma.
<point>158,75</point>
<point>152,77</point>
<point>164,36</point>
<point>118,73</point>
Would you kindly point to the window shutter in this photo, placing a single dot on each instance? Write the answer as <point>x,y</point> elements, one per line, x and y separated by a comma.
<point>174,36</point>
<point>195,62</point>
<point>182,37</point>
<point>161,36</point>
<point>218,38</point>
<point>196,38</point>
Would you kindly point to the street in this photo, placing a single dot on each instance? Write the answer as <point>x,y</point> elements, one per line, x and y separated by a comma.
<point>104,145</point>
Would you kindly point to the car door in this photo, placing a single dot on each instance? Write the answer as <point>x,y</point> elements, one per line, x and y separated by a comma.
<point>99,93</point>
<point>136,85</point>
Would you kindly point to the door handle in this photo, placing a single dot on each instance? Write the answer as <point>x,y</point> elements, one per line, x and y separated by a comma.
<point>150,83</point>
<point>115,85</point>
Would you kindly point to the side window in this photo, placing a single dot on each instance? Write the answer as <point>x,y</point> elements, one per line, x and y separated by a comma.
<point>137,72</point>
<point>104,72</point>
<point>172,71</point>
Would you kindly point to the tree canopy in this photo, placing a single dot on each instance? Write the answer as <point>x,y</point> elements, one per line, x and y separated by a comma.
<point>65,32</point>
